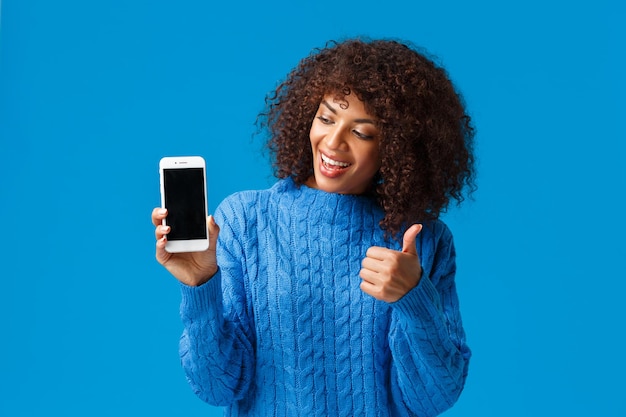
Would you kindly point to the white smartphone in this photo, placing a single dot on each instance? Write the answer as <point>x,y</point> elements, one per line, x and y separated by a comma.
<point>183,194</point>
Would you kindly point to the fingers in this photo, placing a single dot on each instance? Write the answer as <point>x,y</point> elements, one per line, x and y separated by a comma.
<point>375,272</point>
<point>408,240</point>
<point>370,288</point>
<point>371,264</point>
<point>214,231</point>
<point>381,287</point>
<point>160,231</point>
<point>158,214</point>
<point>369,276</point>
<point>161,254</point>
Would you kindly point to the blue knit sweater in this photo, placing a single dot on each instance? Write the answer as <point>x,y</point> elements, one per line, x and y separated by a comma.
<point>284,329</point>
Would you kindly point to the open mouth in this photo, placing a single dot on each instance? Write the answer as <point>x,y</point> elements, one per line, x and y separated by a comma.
<point>331,164</point>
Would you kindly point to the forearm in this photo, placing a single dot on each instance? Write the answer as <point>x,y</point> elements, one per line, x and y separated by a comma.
<point>214,350</point>
<point>430,356</point>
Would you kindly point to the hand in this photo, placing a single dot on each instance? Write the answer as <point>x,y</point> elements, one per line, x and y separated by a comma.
<point>388,274</point>
<point>191,268</point>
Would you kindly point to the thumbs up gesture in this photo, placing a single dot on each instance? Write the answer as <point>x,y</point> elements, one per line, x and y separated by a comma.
<point>388,274</point>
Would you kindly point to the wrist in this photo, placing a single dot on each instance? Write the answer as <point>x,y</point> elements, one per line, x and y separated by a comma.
<point>198,281</point>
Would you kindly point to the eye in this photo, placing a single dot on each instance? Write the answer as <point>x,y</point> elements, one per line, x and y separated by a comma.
<point>325,120</point>
<point>361,135</point>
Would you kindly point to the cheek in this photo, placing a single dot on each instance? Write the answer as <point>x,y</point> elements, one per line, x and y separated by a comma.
<point>314,136</point>
<point>372,156</point>
<point>313,133</point>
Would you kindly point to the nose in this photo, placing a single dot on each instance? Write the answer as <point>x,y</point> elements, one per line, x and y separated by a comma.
<point>335,139</point>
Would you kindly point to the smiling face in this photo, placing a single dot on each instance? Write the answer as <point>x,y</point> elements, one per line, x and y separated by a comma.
<point>345,144</point>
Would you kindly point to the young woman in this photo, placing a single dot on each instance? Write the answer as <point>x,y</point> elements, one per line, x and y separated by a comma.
<point>333,292</point>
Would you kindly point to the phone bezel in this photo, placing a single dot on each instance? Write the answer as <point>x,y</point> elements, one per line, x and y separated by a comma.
<point>182,162</point>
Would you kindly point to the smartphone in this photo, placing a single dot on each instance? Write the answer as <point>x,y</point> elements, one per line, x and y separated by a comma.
<point>183,194</point>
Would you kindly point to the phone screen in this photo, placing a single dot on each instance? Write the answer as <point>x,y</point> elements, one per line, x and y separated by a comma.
<point>185,203</point>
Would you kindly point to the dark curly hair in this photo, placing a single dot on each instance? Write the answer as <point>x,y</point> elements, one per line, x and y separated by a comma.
<point>426,135</point>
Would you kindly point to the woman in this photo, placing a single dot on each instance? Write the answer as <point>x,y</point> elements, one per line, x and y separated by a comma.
<point>333,293</point>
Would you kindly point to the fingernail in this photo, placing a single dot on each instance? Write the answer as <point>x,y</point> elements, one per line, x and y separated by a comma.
<point>162,211</point>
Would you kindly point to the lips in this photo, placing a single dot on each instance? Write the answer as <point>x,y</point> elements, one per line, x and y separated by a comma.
<point>332,168</point>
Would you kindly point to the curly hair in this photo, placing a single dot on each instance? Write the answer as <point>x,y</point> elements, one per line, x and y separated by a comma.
<point>426,135</point>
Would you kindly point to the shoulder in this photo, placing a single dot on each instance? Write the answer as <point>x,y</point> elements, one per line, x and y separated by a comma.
<point>436,245</point>
<point>438,231</point>
<point>434,233</point>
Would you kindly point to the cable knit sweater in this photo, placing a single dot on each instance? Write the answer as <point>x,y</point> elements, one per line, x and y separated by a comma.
<point>283,329</point>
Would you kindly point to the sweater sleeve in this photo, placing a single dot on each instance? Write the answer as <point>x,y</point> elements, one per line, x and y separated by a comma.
<point>430,356</point>
<point>216,347</point>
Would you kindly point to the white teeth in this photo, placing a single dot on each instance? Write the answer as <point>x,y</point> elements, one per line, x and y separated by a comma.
<point>329,161</point>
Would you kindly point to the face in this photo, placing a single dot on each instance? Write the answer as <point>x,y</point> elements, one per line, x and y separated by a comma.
<point>345,144</point>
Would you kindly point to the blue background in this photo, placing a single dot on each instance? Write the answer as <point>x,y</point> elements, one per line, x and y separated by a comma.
<point>93,93</point>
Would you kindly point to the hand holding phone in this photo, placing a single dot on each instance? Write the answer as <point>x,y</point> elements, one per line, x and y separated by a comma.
<point>182,228</point>
<point>190,268</point>
<point>183,194</point>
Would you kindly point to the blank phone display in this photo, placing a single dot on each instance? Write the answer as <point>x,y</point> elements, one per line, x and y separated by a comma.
<point>185,203</point>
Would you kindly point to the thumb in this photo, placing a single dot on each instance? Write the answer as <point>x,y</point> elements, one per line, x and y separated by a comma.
<point>408,240</point>
<point>214,230</point>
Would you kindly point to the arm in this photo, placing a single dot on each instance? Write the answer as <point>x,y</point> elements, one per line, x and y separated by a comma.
<point>216,347</point>
<point>429,354</point>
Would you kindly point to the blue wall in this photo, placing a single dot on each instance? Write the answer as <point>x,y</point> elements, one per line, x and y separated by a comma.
<point>93,93</point>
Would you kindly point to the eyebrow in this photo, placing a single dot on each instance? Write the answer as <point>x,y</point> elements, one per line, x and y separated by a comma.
<point>334,111</point>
